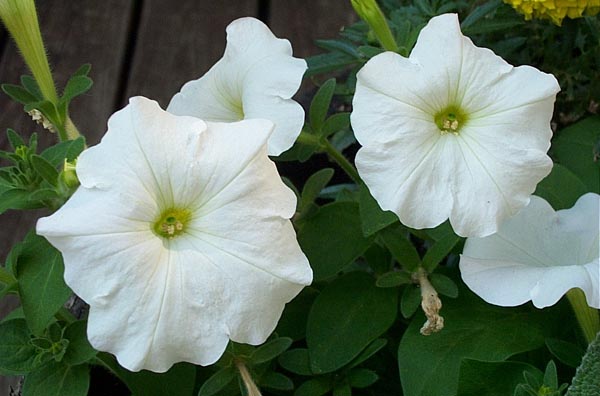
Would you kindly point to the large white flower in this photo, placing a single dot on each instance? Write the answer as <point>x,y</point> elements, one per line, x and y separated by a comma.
<point>538,255</point>
<point>453,131</point>
<point>178,238</point>
<point>256,78</point>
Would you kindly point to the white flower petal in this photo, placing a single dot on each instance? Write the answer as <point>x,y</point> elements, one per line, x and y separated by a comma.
<point>538,255</point>
<point>499,150</point>
<point>155,301</point>
<point>256,78</point>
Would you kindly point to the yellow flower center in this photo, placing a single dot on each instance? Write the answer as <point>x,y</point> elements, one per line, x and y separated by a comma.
<point>172,222</point>
<point>450,120</point>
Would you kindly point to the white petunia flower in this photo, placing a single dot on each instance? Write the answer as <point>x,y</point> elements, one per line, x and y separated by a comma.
<point>538,255</point>
<point>178,238</point>
<point>256,78</point>
<point>453,131</point>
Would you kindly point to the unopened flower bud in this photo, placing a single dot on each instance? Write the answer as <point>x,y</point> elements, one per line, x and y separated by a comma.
<point>69,175</point>
<point>20,19</point>
<point>369,11</point>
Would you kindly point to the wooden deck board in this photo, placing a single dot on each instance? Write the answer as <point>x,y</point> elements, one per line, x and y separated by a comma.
<point>178,44</point>
<point>304,21</point>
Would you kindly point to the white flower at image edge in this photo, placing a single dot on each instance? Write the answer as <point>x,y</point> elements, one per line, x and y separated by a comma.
<point>538,255</point>
<point>453,131</point>
<point>178,238</point>
<point>255,78</point>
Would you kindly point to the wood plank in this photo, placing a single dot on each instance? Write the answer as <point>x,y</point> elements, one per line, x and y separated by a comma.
<point>304,21</point>
<point>178,44</point>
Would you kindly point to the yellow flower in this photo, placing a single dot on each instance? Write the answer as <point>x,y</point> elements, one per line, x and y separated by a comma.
<point>556,10</point>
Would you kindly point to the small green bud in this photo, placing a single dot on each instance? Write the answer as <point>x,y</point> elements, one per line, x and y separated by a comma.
<point>69,174</point>
<point>369,11</point>
<point>20,19</point>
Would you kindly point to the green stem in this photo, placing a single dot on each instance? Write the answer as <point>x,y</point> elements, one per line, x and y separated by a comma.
<point>342,161</point>
<point>6,277</point>
<point>325,145</point>
<point>588,318</point>
<point>71,130</point>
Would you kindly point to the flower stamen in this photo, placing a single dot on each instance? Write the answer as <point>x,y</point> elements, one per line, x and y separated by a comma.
<point>450,120</point>
<point>172,223</point>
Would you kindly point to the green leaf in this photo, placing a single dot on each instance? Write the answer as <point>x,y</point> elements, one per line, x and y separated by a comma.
<point>57,379</point>
<point>17,354</point>
<point>313,186</point>
<point>16,198</point>
<point>79,349</point>
<point>344,46</point>
<point>333,238</point>
<point>18,94</point>
<point>574,148</point>
<point>314,387</point>
<point>567,352</point>
<point>410,301</point>
<point>473,330</point>
<point>551,376</point>
<point>393,279</point>
<point>77,85</point>
<point>444,285</point>
<point>29,83</point>
<point>68,150</point>
<point>14,139</point>
<point>372,217</point>
<point>325,63</point>
<point>587,377</point>
<point>296,361</point>
<point>369,351</point>
<point>83,70</point>
<point>320,105</point>
<point>45,169</point>
<point>479,378</point>
<point>178,381</point>
<point>217,381</point>
<point>293,320</point>
<point>342,389</point>
<point>346,317</point>
<point>41,286</point>
<point>401,248</point>
<point>362,378</point>
<point>276,381</point>
<point>270,350</point>
<point>335,123</point>
<point>561,188</point>
<point>479,13</point>
<point>438,251</point>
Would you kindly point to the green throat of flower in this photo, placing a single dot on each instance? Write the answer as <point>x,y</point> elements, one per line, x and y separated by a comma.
<point>172,222</point>
<point>450,120</point>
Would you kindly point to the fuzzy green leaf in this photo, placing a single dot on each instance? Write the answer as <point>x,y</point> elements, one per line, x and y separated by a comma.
<point>574,148</point>
<point>270,350</point>
<point>320,105</point>
<point>57,379</point>
<point>41,286</point>
<point>346,317</point>
<point>17,354</point>
<point>217,381</point>
<point>79,349</point>
<point>333,238</point>
<point>372,217</point>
